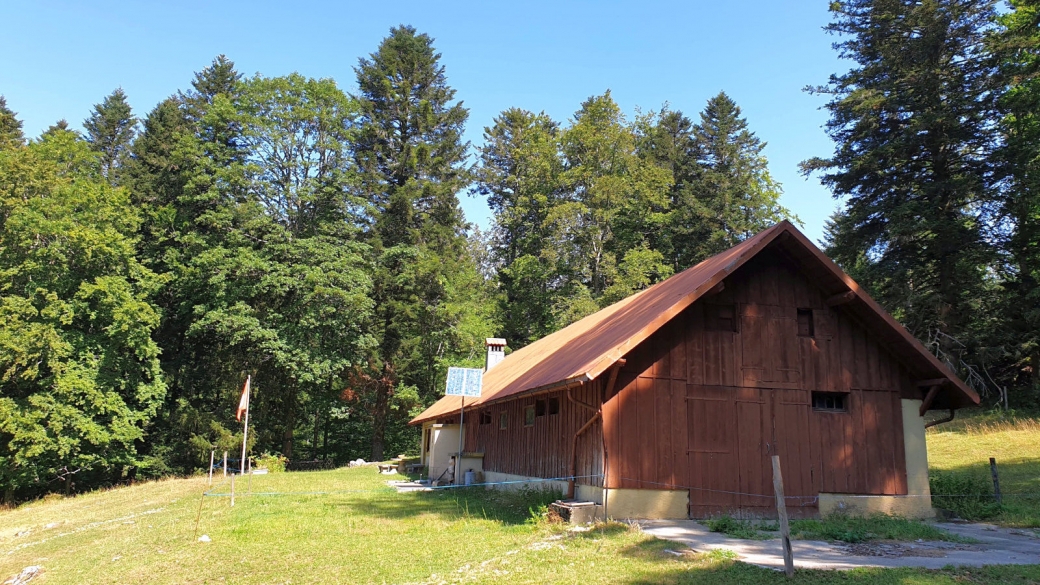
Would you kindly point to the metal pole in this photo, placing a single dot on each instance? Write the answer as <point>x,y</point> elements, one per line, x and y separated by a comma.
<point>458,460</point>
<point>211,454</point>
<point>245,428</point>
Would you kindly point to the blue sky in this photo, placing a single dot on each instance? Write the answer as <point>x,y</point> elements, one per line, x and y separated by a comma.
<point>60,58</point>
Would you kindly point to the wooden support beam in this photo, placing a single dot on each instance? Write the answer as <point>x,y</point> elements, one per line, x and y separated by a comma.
<point>721,286</point>
<point>598,413</point>
<point>932,382</point>
<point>940,421</point>
<point>929,398</point>
<point>841,299</point>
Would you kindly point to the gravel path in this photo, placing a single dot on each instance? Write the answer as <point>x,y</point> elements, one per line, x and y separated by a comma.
<point>997,546</point>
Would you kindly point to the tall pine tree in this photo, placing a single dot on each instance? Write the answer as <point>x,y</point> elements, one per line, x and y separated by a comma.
<point>1017,47</point>
<point>412,164</point>
<point>10,127</point>
<point>912,124</point>
<point>110,131</point>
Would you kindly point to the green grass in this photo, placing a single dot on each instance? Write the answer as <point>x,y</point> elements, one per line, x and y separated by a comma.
<point>739,528</point>
<point>841,528</point>
<point>958,455</point>
<point>878,527</point>
<point>362,532</point>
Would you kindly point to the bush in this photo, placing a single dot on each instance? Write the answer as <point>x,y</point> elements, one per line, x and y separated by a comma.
<point>273,463</point>
<point>876,527</point>
<point>732,527</point>
<point>968,495</point>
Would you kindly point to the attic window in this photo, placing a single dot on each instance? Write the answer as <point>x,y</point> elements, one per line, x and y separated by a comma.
<point>485,417</point>
<point>539,408</point>
<point>721,317</point>
<point>529,416</point>
<point>830,401</point>
<point>805,323</point>
<point>503,421</point>
<point>554,406</point>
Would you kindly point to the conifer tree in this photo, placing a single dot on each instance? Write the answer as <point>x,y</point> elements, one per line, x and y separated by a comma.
<point>10,127</point>
<point>110,130</point>
<point>412,164</point>
<point>912,124</point>
<point>1017,48</point>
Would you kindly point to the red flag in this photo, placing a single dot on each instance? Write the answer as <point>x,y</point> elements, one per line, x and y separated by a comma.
<point>243,404</point>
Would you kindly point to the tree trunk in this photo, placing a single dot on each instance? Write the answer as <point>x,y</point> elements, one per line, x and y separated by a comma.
<point>379,415</point>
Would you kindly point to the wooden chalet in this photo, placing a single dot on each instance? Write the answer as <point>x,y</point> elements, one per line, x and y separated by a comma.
<point>671,402</point>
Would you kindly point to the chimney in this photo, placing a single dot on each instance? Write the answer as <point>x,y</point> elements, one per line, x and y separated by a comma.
<point>496,351</point>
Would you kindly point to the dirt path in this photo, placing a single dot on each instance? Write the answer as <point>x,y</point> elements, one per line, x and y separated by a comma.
<point>997,546</point>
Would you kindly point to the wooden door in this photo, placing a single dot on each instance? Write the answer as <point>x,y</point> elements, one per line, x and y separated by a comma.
<point>755,446</point>
<point>791,441</point>
<point>712,450</point>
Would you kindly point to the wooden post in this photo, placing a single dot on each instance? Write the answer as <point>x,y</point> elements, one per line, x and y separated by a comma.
<point>211,454</point>
<point>996,480</point>
<point>458,460</point>
<point>245,428</point>
<point>225,463</point>
<point>232,490</point>
<point>781,511</point>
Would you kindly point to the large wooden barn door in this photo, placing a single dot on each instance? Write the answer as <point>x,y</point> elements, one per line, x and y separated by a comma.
<point>733,433</point>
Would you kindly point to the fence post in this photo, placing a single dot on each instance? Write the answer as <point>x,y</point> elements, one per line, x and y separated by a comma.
<point>211,454</point>
<point>225,463</point>
<point>781,511</point>
<point>996,480</point>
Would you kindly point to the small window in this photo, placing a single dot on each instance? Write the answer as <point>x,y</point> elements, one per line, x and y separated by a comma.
<point>721,317</point>
<point>805,323</point>
<point>539,408</point>
<point>830,401</point>
<point>554,406</point>
<point>485,417</point>
<point>529,416</point>
<point>503,421</point>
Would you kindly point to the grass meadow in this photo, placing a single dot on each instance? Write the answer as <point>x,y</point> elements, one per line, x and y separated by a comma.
<point>348,526</point>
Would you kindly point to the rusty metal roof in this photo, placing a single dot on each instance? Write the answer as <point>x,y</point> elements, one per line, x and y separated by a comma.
<point>585,349</point>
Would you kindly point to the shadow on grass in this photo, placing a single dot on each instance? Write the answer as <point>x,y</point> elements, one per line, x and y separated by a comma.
<point>506,507</point>
<point>967,491</point>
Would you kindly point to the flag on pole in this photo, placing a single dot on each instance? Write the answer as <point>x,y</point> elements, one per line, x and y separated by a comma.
<point>243,403</point>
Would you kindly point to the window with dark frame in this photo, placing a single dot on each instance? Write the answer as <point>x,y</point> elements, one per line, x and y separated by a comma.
<point>485,417</point>
<point>539,407</point>
<point>554,406</point>
<point>529,416</point>
<point>805,323</point>
<point>830,401</point>
<point>721,318</point>
<point>503,421</point>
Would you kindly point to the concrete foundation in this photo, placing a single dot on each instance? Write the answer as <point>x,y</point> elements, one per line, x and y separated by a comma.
<point>918,501</point>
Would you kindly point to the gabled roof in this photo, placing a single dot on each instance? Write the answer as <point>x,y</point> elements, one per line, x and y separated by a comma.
<point>585,349</point>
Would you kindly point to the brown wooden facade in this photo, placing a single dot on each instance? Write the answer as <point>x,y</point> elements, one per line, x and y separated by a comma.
<point>705,401</point>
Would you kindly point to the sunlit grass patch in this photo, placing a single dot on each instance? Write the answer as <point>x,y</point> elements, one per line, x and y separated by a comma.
<point>958,455</point>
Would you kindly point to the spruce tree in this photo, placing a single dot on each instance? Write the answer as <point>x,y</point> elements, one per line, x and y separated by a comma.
<point>110,130</point>
<point>912,126</point>
<point>10,127</point>
<point>1017,48</point>
<point>412,164</point>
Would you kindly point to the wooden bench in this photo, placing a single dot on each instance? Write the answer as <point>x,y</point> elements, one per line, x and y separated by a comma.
<point>386,467</point>
<point>414,468</point>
